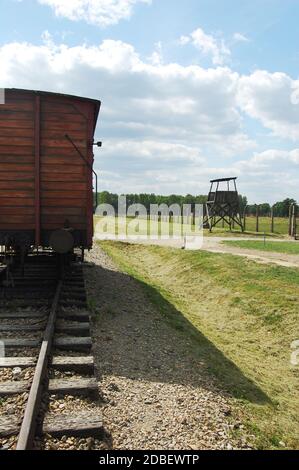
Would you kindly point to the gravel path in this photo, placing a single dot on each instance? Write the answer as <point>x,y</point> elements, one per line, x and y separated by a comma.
<point>156,394</point>
<point>215,245</point>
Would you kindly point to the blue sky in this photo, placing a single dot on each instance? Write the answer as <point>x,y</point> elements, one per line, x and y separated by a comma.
<point>190,90</point>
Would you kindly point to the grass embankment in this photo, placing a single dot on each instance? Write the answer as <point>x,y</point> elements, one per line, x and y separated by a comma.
<point>242,317</point>
<point>291,248</point>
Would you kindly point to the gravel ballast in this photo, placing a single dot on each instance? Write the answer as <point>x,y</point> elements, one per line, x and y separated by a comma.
<point>157,394</point>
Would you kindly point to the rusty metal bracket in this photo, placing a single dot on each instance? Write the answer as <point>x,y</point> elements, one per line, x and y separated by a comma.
<point>89,166</point>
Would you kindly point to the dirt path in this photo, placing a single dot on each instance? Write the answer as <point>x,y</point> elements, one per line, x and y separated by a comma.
<point>157,394</point>
<point>215,245</point>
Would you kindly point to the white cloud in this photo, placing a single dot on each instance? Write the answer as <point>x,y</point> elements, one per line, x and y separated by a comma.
<point>167,114</point>
<point>208,45</point>
<point>161,152</point>
<point>268,97</point>
<point>269,157</point>
<point>184,40</point>
<point>99,12</point>
<point>146,165</point>
<point>140,99</point>
<point>166,127</point>
<point>239,37</point>
<point>156,58</point>
<point>295,93</point>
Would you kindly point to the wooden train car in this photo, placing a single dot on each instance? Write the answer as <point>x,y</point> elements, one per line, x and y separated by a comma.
<point>46,169</point>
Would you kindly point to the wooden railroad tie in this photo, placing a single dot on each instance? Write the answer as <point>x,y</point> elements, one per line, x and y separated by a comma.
<point>85,386</point>
<point>84,364</point>
<point>84,424</point>
<point>71,343</point>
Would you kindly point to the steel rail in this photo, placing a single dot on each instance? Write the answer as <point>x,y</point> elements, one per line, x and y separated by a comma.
<point>29,423</point>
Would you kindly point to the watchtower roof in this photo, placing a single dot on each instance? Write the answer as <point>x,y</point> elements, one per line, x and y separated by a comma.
<point>220,180</point>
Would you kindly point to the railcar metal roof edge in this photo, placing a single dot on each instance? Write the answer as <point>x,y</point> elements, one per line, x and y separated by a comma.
<point>63,95</point>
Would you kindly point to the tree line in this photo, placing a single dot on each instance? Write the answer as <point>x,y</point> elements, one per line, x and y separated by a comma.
<point>281,208</point>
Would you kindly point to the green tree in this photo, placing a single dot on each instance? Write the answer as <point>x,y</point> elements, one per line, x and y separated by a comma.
<point>281,209</point>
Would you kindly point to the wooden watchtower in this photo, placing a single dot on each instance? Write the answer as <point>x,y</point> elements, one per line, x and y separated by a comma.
<point>223,204</point>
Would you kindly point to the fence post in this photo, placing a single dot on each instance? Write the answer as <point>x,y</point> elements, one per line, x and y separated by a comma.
<point>291,220</point>
<point>257,219</point>
<point>293,223</point>
<point>272,220</point>
<point>244,218</point>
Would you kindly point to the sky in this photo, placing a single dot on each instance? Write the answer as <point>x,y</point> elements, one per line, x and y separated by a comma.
<point>190,90</point>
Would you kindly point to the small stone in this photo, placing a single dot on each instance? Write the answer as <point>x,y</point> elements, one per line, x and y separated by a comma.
<point>16,372</point>
<point>90,443</point>
<point>113,387</point>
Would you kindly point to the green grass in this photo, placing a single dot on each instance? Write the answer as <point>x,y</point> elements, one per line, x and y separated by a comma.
<point>280,227</point>
<point>241,317</point>
<point>140,227</point>
<point>291,248</point>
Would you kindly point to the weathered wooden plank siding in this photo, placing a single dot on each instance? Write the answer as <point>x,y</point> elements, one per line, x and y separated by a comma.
<point>59,158</point>
<point>17,162</point>
<point>65,187</point>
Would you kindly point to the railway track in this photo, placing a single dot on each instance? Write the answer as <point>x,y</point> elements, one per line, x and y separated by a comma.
<point>45,334</point>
